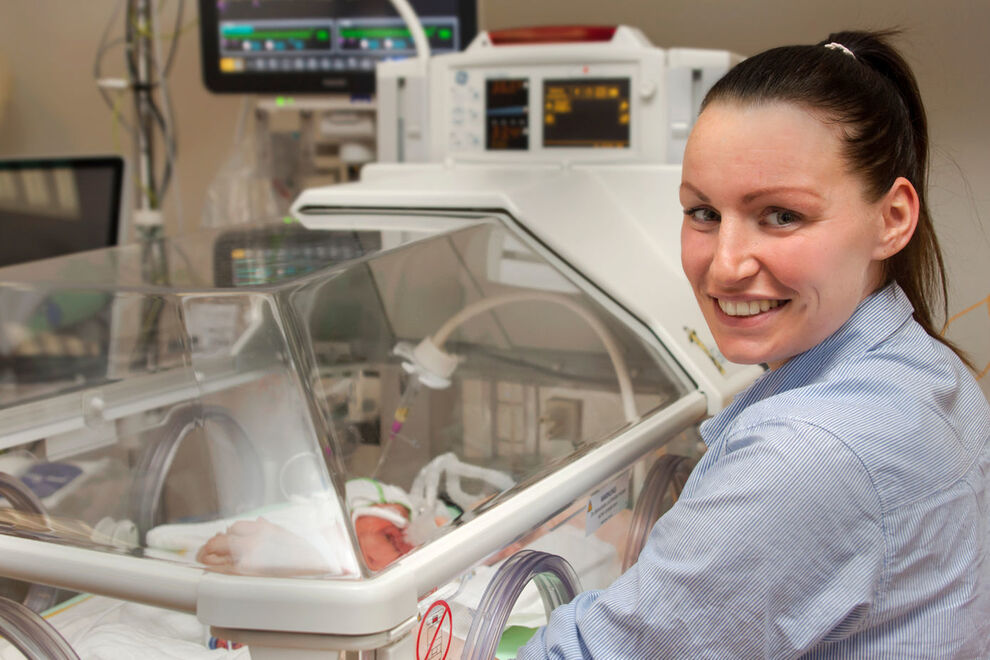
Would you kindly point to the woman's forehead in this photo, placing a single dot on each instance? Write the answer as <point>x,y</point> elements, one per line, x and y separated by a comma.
<point>768,144</point>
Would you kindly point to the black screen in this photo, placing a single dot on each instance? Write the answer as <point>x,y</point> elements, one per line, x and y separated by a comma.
<point>56,206</point>
<point>320,46</point>
<point>586,113</point>
<point>507,114</point>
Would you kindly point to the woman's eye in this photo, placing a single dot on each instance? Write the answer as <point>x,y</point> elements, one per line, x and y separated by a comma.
<point>782,218</point>
<point>702,214</point>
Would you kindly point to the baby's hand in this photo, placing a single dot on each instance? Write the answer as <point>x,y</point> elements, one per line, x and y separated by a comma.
<point>260,547</point>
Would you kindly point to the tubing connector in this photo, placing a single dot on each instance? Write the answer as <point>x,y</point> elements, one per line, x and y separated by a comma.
<point>431,365</point>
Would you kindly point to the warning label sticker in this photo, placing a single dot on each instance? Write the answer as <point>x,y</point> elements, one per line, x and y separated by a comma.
<point>435,633</point>
<point>606,502</point>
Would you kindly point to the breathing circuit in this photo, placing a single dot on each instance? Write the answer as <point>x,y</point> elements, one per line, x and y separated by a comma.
<point>433,366</point>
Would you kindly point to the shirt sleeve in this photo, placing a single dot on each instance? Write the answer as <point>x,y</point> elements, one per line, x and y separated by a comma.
<point>776,545</point>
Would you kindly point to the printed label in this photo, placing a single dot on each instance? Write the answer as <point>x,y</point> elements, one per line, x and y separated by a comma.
<point>606,502</point>
<point>435,633</point>
<point>212,327</point>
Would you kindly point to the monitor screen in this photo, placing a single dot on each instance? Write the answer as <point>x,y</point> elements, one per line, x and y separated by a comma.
<point>586,112</point>
<point>318,46</point>
<point>54,206</point>
<point>507,114</point>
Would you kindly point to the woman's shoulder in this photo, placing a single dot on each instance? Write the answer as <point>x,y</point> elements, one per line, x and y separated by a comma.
<point>912,416</point>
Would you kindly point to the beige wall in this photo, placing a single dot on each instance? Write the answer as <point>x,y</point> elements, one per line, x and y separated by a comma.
<point>53,106</point>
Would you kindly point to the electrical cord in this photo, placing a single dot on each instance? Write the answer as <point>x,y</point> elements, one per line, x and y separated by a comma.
<point>167,123</point>
<point>161,114</point>
<point>101,50</point>
<point>176,33</point>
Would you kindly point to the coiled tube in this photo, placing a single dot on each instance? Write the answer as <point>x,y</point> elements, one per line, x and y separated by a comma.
<point>669,473</point>
<point>554,577</point>
<point>39,597</point>
<point>153,465</point>
<point>31,635</point>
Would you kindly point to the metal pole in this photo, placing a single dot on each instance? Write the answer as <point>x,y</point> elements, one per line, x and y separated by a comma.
<point>140,18</point>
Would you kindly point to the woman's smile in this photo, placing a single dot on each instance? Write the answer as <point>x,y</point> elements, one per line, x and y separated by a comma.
<point>778,238</point>
<point>748,308</point>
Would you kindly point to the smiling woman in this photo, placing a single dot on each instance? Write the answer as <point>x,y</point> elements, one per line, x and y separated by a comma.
<point>780,240</point>
<point>841,508</point>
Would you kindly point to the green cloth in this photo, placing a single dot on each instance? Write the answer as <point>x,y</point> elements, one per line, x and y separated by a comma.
<point>512,640</point>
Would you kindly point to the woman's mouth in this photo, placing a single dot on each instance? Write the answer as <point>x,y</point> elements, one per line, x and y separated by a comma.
<point>748,307</point>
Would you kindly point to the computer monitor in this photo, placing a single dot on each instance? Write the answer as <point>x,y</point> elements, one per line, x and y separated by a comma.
<point>54,206</point>
<point>318,46</point>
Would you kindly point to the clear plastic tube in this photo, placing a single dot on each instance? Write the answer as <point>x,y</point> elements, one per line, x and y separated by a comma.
<point>154,464</point>
<point>608,341</point>
<point>39,597</point>
<point>669,472</point>
<point>554,577</point>
<point>31,635</point>
<point>399,419</point>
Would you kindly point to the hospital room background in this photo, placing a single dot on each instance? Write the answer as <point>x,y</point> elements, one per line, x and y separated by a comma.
<point>49,104</point>
<point>50,107</point>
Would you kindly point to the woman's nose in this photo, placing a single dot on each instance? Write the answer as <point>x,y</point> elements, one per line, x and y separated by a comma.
<point>734,258</point>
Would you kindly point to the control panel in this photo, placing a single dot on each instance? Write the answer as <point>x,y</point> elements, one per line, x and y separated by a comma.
<point>560,107</point>
<point>573,101</point>
<point>546,95</point>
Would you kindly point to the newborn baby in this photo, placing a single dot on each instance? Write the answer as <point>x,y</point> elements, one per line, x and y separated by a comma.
<point>312,539</point>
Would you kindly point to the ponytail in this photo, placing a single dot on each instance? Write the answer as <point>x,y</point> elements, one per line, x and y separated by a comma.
<point>860,82</point>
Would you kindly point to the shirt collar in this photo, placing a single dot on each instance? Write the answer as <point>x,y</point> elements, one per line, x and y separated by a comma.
<point>876,317</point>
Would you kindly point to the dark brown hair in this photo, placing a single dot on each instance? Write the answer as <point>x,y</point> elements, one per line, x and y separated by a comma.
<point>867,89</point>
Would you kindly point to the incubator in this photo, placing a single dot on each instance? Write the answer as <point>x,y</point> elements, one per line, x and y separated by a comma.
<point>302,459</point>
<point>459,394</point>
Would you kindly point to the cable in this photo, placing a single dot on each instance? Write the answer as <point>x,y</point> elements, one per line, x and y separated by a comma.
<point>167,124</point>
<point>176,33</point>
<point>101,50</point>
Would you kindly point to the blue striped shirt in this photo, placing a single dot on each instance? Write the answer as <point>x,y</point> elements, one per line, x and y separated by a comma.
<point>842,511</point>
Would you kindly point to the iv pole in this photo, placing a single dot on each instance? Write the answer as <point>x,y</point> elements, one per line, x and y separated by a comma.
<point>140,28</point>
<point>144,127</point>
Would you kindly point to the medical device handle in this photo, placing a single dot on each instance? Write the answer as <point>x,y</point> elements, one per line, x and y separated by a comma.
<point>554,577</point>
<point>669,472</point>
<point>39,597</point>
<point>32,635</point>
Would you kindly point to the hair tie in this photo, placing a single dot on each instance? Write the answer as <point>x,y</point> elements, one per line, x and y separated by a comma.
<point>837,46</point>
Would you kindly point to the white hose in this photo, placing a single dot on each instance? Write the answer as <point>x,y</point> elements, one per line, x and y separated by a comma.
<point>415,27</point>
<point>614,354</point>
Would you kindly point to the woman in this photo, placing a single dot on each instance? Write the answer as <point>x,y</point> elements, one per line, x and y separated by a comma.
<point>842,507</point>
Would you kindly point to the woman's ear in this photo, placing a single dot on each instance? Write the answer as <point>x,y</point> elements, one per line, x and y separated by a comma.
<point>899,209</point>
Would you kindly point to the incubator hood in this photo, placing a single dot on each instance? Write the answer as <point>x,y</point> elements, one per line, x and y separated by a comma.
<point>302,435</point>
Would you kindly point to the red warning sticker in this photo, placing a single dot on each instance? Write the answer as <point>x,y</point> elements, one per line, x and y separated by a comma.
<point>436,630</point>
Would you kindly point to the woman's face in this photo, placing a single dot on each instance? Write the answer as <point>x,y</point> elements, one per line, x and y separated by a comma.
<point>779,241</point>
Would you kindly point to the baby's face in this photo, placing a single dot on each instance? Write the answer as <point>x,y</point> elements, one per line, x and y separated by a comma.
<point>381,541</point>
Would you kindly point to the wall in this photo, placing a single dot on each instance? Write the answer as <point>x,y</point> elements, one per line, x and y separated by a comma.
<point>54,107</point>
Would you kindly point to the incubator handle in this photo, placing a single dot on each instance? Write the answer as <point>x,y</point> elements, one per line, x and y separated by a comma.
<point>554,577</point>
<point>669,473</point>
<point>31,635</point>
<point>39,597</point>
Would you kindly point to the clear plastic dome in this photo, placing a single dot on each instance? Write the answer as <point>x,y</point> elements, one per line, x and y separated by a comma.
<point>274,401</point>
